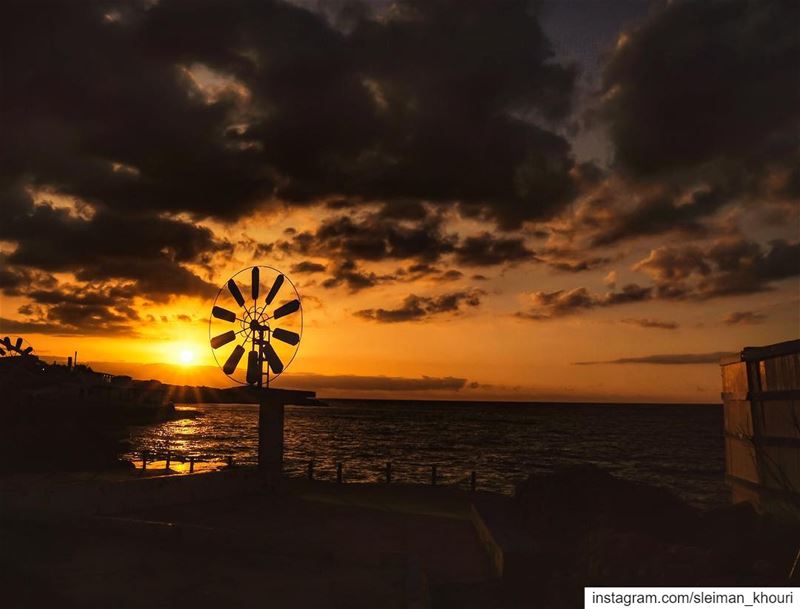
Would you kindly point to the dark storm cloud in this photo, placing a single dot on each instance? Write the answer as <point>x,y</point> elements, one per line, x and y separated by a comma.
<point>92,107</point>
<point>347,241</point>
<point>373,238</point>
<point>629,293</point>
<point>262,250</point>
<point>9,326</point>
<point>15,281</point>
<point>562,303</point>
<point>487,250</point>
<point>212,108</point>
<point>89,317</point>
<point>701,84</point>
<point>78,296</point>
<point>660,214</point>
<point>308,267</point>
<point>469,70</point>
<point>703,111</point>
<point>417,308</point>
<point>105,245</point>
<point>404,210</point>
<point>72,309</point>
<point>669,359</point>
<point>571,265</point>
<point>348,274</point>
<point>744,318</point>
<point>666,265</point>
<point>115,255</point>
<point>652,323</point>
<point>12,279</point>
<point>427,271</point>
<point>146,113</point>
<point>549,305</point>
<point>729,267</point>
<point>451,275</point>
<point>154,280</point>
<point>419,269</point>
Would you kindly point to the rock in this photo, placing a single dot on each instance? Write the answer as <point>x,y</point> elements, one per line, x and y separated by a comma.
<point>592,528</point>
<point>571,502</point>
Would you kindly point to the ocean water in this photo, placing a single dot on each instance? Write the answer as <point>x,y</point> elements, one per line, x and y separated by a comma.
<point>676,446</point>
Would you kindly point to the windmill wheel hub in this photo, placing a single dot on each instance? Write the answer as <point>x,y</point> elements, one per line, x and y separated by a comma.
<point>255,326</point>
<point>250,319</point>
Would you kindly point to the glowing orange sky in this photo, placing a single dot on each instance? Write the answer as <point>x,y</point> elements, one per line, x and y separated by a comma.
<point>499,355</point>
<point>561,256</point>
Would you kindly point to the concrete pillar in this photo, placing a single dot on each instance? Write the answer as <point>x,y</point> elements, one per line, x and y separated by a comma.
<point>270,437</point>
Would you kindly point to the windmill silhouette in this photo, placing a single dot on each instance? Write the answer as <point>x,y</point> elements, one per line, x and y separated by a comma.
<point>266,323</point>
<point>15,347</point>
<point>268,330</point>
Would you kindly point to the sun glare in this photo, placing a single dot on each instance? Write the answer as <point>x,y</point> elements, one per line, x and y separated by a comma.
<point>186,356</point>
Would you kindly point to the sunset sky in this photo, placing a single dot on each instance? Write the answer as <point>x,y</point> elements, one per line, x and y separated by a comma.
<point>563,200</point>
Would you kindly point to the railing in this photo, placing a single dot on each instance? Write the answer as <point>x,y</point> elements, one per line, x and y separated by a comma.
<point>170,456</point>
<point>386,475</point>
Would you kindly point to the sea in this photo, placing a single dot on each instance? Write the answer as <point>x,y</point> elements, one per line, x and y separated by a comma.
<point>679,447</point>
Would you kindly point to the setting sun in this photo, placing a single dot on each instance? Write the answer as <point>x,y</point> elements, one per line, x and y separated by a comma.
<point>187,356</point>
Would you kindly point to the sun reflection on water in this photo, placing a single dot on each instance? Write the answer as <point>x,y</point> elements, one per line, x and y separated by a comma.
<point>501,443</point>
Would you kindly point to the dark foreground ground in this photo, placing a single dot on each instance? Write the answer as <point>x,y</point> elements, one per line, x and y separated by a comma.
<point>320,545</point>
<point>310,545</point>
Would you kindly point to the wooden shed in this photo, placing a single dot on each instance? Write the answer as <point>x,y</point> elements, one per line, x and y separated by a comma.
<point>761,395</point>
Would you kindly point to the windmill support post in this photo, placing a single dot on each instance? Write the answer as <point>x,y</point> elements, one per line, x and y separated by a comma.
<point>271,405</point>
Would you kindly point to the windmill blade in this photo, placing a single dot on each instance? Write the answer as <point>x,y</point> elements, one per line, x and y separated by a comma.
<point>253,368</point>
<point>223,314</point>
<point>233,360</point>
<point>273,291</point>
<point>235,292</point>
<point>284,310</point>
<point>18,344</point>
<point>27,350</point>
<point>275,363</point>
<point>254,282</point>
<point>222,339</point>
<point>286,336</point>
